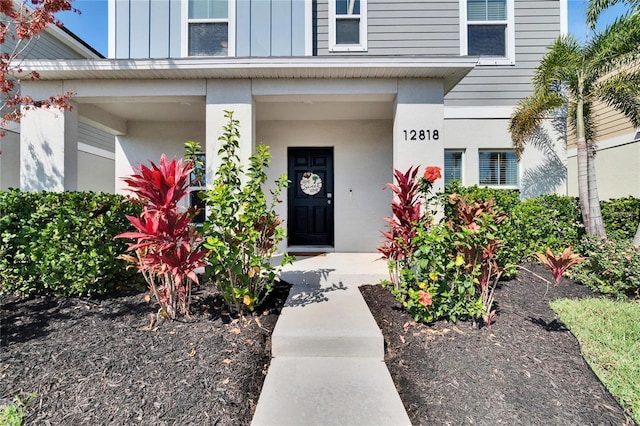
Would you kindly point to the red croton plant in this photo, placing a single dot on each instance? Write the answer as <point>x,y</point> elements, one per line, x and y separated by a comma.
<point>20,23</point>
<point>558,265</point>
<point>407,212</point>
<point>166,248</point>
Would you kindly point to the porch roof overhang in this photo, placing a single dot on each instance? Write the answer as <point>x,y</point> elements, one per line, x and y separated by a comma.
<point>451,69</point>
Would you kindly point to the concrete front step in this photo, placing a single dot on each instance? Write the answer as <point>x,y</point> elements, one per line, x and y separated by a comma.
<point>329,391</point>
<point>335,323</point>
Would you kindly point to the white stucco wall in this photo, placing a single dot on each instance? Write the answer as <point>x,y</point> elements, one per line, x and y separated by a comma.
<point>362,165</point>
<point>539,171</point>
<point>10,161</point>
<point>147,141</point>
<point>95,173</point>
<point>617,172</point>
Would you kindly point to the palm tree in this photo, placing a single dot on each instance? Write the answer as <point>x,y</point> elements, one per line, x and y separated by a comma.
<point>599,71</point>
<point>594,9</point>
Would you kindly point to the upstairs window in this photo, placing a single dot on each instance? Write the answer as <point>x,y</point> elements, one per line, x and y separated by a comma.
<point>347,25</point>
<point>208,28</point>
<point>486,30</point>
<point>498,168</point>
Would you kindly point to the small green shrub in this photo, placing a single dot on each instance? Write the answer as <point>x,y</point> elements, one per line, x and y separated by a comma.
<point>63,243</point>
<point>547,222</point>
<point>12,414</point>
<point>611,267</point>
<point>513,247</point>
<point>621,217</point>
<point>242,229</point>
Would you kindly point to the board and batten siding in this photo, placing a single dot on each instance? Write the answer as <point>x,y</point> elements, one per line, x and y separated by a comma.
<point>537,25</point>
<point>148,29</point>
<point>404,27</point>
<point>264,28</point>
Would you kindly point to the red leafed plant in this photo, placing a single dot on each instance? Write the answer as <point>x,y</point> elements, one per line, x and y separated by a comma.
<point>558,265</point>
<point>22,23</point>
<point>167,249</point>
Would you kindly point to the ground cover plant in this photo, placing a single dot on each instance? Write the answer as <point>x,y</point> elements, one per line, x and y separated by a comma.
<point>609,336</point>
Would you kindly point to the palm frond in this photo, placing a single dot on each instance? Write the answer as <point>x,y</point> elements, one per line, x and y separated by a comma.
<point>622,92</point>
<point>563,57</point>
<point>529,114</point>
<point>616,47</point>
<point>596,7</point>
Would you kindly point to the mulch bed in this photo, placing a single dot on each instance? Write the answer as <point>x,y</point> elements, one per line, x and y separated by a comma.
<point>95,362</point>
<point>525,369</point>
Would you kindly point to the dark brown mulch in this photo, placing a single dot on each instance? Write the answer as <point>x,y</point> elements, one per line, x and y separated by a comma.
<point>90,362</point>
<point>526,369</point>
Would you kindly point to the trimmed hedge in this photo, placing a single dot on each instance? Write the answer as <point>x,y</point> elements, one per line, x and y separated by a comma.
<point>621,217</point>
<point>63,243</point>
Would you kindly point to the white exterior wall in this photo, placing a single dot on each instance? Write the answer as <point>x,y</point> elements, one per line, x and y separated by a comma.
<point>147,141</point>
<point>471,135</point>
<point>10,161</point>
<point>362,166</point>
<point>95,173</point>
<point>617,172</point>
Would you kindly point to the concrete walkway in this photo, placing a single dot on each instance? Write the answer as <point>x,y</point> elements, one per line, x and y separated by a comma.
<point>328,352</point>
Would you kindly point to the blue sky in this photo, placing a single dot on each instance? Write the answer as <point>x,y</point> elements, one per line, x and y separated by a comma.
<point>91,24</point>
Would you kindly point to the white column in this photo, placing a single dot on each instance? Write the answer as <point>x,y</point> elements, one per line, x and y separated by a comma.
<point>418,126</point>
<point>48,144</point>
<point>229,95</point>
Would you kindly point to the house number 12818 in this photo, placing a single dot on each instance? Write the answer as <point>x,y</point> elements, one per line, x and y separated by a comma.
<point>421,135</point>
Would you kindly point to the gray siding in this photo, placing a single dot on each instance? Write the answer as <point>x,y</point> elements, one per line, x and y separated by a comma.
<point>270,28</point>
<point>97,138</point>
<point>537,24</point>
<point>153,28</point>
<point>45,47</point>
<point>404,27</point>
<point>148,29</point>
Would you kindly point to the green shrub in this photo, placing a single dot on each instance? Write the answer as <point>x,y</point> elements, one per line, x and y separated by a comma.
<point>621,217</point>
<point>63,243</point>
<point>513,247</point>
<point>611,267</point>
<point>548,222</point>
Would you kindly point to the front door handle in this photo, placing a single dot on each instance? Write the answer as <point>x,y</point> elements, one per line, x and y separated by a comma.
<point>328,201</point>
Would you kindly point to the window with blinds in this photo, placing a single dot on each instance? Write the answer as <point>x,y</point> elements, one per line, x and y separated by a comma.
<point>452,166</point>
<point>487,27</point>
<point>208,28</point>
<point>498,168</point>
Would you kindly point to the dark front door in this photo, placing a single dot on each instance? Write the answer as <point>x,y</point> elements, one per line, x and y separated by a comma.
<point>310,196</point>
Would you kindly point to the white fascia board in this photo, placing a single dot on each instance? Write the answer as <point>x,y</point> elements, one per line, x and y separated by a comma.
<point>89,149</point>
<point>564,17</point>
<point>614,142</point>
<point>453,112</point>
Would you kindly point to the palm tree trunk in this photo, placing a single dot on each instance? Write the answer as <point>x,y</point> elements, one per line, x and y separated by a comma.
<point>583,174</point>
<point>596,224</point>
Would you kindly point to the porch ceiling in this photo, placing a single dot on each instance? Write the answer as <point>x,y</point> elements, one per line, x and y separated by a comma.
<point>450,69</point>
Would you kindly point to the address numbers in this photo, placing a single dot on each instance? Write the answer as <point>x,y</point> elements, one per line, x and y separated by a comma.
<point>421,135</point>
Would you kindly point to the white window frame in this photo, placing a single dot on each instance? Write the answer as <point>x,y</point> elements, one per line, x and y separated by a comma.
<point>499,186</point>
<point>362,46</point>
<point>231,28</point>
<point>462,165</point>
<point>510,37</point>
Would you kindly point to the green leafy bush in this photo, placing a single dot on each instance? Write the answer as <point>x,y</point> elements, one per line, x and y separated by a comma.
<point>611,267</point>
<point>451,271</point>
<point>547,222</point>
<point>621,217</point>
<point>242,229</point>
<point>63,243</point>
<point>513,247</point>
